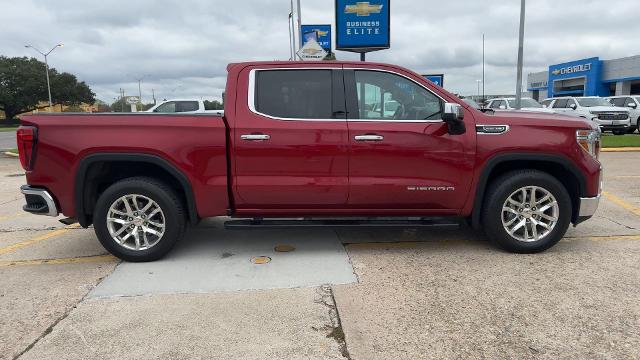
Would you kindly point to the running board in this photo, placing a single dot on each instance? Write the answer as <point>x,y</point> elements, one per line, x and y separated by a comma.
<point>341,222</point>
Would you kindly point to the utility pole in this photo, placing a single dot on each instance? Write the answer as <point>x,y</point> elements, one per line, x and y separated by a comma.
<point>46,66</point>
<point>520,51</point>
<point>121,100</point>
<point>483,67</point>
<point>153,95</point>
<point>292,37</point>
<point>299,25</point>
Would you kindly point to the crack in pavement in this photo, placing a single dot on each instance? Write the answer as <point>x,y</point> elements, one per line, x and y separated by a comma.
<point>335,328</point>
<point>619,223</point>
<point>50,328</point>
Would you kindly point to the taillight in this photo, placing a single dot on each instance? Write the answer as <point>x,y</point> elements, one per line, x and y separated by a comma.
<point>27,137</point>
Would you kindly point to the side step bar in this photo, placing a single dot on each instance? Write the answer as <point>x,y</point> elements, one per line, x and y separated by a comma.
<point>341,222</point>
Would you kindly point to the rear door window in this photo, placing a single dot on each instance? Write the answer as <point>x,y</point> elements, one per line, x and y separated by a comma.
<point>184,106</point>
<point>294,94</point>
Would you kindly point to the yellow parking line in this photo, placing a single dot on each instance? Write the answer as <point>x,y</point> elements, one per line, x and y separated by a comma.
<point>37,239</point>
<point>76,260</point>
<point>621,202</point>
<point>604,238</point>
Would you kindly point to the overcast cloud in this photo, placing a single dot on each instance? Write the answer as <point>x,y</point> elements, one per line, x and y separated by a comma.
<point>182,48</point>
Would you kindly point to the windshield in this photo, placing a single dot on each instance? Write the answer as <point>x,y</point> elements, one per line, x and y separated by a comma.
<point>525,103</point>
<point>593,101</point>
<point>638,98</point>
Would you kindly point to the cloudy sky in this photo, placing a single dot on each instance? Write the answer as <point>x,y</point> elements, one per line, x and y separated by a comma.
<point>181,48</point>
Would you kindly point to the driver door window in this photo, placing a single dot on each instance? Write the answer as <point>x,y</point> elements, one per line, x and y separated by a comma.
<point>386,96</point>
<point>168,107</point>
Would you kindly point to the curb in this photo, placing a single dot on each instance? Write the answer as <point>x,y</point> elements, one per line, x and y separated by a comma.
<point>620,149</point>
<point>8,153</point>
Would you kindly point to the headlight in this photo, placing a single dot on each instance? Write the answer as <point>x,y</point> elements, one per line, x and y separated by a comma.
<point>589,140</point>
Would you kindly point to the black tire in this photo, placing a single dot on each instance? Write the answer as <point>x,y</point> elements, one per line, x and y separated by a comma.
<point>167,200</point>
<point>498,192</point>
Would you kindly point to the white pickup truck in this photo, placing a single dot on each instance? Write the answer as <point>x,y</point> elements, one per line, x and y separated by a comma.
<point>186,106</point>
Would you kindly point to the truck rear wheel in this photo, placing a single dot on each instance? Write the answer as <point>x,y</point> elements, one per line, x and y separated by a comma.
<point>526,211</point>
<point>139,219</point>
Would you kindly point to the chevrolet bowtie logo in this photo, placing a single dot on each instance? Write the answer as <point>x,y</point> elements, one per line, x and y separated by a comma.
<point>556,72</point>
<point>310,51</point>
<point>321,33</point>
<point>363,8</point>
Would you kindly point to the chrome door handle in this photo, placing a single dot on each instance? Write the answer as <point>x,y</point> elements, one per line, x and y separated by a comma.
<point>368,138</point>
<point>254,137</point>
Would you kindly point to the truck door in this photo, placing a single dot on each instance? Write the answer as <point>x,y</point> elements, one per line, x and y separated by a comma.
<point>402,157</point>
<point>290,140</point>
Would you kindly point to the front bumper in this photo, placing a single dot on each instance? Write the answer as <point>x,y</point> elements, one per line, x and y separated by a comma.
<point>39,201</point>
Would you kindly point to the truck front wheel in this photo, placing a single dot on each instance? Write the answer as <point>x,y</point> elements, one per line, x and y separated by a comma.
<point>526,211</point>
<point>139,219</point>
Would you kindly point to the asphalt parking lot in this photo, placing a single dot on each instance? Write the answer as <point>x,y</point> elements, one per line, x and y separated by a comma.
<point>351,293</point>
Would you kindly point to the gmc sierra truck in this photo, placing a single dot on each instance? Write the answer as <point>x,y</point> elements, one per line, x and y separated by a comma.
<point>313,140</point>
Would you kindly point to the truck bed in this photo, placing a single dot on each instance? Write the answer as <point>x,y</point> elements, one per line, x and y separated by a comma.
<point>193,144</point>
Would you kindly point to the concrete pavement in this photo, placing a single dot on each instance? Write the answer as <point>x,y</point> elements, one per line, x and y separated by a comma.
<point>420,293</point>
<point>7,140</point>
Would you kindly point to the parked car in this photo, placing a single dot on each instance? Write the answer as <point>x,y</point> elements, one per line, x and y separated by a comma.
<point>597,109</point>
<point>293,143</point>
<point>526,104</point>
<point>632,103</point>
<point>471,103</point>
<point>186,106</point>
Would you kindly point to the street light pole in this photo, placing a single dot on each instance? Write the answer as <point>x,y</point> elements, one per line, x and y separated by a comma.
<point>478,81</point>
<point>46,66</point>
<point>520,51</point>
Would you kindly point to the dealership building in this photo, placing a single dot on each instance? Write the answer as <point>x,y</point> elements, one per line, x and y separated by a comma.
<point>587,77</point>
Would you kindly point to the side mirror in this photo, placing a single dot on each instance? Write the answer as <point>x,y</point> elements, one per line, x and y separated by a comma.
<point>502,107</point>
<point>573,106</point>
<point>632,105</point>
<point>453,116</point>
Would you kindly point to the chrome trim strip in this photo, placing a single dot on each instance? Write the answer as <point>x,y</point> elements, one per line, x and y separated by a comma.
<point>588,206</point>
<point>252,92</point>
<point>44,194</point>
<point>480,129</point>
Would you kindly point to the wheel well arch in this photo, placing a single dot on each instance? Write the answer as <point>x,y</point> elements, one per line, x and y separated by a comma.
<point>557,166</point>
<point>96,172</point>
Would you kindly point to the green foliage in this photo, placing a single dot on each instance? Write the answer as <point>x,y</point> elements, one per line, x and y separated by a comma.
<point>213,105</point>
<point>628,140</point>
<point>23,85</point>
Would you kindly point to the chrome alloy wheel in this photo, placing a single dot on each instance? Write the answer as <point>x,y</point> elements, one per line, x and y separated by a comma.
<point>530,213</point>
<point>135,222</point>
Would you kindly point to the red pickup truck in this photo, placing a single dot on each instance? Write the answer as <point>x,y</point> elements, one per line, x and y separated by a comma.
<point>313,140</point>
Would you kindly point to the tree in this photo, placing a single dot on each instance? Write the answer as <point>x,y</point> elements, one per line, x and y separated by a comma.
<point>23,86</point>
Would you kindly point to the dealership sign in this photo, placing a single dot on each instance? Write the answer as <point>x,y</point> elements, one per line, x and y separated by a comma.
<point>437,79</point>
<point>320,33</point>
<point>585,74</point>
<point>312,51</point>
<point>362,26</point>
<point>572,69</point>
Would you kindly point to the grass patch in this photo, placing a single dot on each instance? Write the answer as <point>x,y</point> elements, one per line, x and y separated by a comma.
<point>14,150</point>
<point>627,140</point>
<point>8,128</point>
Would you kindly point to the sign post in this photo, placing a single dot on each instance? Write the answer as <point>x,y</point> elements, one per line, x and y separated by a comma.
<point>362,26</point>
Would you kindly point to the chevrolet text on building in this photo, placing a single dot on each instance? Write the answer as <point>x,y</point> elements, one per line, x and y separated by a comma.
<point>587,77</point>
<point>572,69</point>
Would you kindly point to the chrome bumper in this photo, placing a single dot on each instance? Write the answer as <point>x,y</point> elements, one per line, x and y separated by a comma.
<point>588,206</point>
<point>39,201</point>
